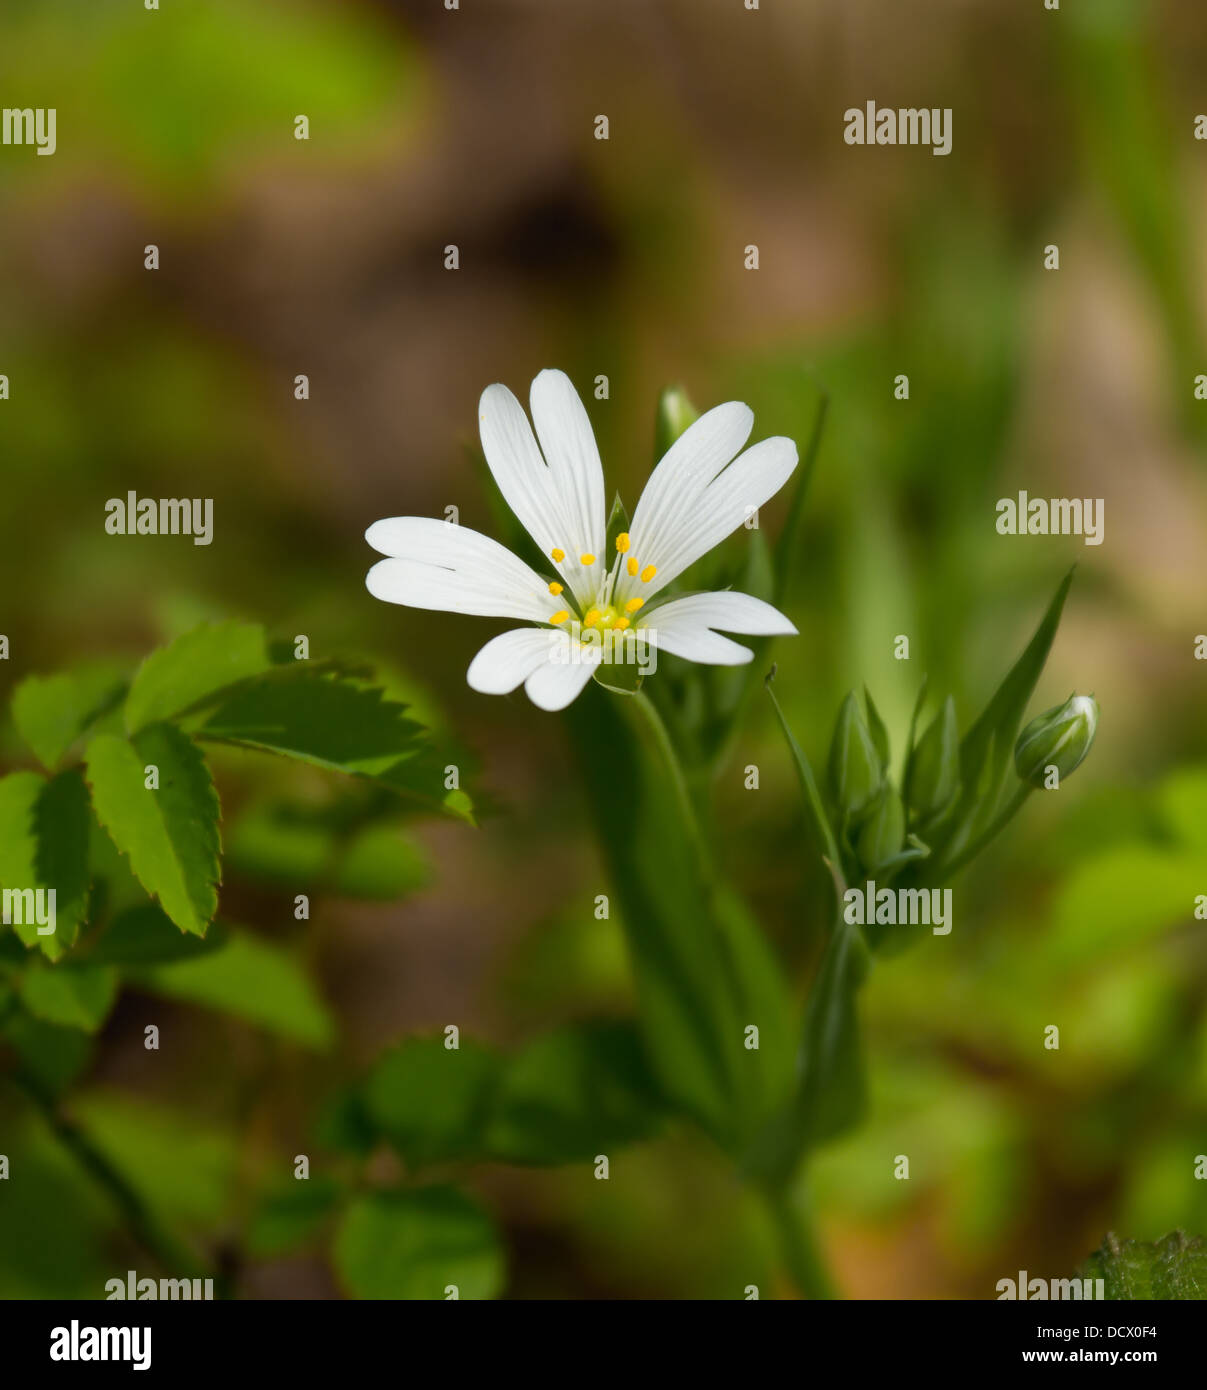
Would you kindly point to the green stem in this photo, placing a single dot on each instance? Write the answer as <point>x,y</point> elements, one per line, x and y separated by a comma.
<point>793,1221</point>
<point>682,793</point>
<point>971,851</point>
<point>171,1256</point>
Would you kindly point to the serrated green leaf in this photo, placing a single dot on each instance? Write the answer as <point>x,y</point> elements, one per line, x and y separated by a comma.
<point>51,712</point>
<point>252,980</point>
<point>334,723</point>
<point>414,1245</point>
<point>432,1102</point>
<point>1174,1267</point>
<point>44,826</point>
<point>170,834</point>
<point>192,669</point>
<point>70,997</point>
<point>574,1093</point>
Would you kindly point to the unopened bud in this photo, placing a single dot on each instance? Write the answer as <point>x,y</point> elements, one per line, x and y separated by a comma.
<point>883,832</point>
<point>1060,738</point>
<point>856,774</point>
<point>933,780</point>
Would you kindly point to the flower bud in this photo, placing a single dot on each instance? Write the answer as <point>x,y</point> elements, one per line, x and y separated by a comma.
<point>883,832</point>
<point>1059,738</point>
<point>856,773</point>
<point>932,782</point>
<point>675,414</point>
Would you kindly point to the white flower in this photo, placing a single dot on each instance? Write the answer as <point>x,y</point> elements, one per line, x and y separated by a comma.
<point>599,607</point>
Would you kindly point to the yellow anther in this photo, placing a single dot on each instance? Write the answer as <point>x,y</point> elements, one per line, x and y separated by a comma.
<point>558,555</point>
<point>633,605</point>
<point>622,542</point>
<point>621,624</point>
<point>555,588</point>
<point>632,565</point>
<point>587,559</point>
<point>648,573</point>
<point>592,618</point>
<point>560,617</point>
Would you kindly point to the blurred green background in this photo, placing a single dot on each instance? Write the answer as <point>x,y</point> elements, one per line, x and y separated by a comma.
<point>625,258</point>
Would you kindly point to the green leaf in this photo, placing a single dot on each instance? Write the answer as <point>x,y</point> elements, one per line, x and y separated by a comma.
<point>182,1165</point>
<point>574,1093</point>
<point>292,1215</point>
<point>51,712</point>
<point>339,724</point>
<point>691,993</point>
<point>1174,1267</point>
<point>675,414</point>
<point>44,846</point>
<point>251,979</point>
<point>193,668</point>
<point>381,864</point>
<point>170,834</point>
<point>145,935</point>
<point>788,547</point>
<point>831,1092</point>
<point>431,1102</point>
<point>414,1245</point>
<point>70,997</point>
<point>987,747</point>
<point>55,1057</point>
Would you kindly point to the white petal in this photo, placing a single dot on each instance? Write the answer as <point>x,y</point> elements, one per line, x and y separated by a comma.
<point>704,521</point>
<point>686,469</point>
<point>527,485</point>
<point>568,443</point>
<point>452,569</point>
<point>559,502</point>
<point>507,661</point>
<point>684,626</point>
<point>558,683</point>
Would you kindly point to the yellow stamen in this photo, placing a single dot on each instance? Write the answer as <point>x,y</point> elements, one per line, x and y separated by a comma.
<point>555,588</point>
<point>648,573</point>
<point>622,623</point>
<point>587,559</point>
<point>592,618</point>
<point>633,605</point>
<point>560,616</point>
<point>558,555</point>
<point>622,542</point>
<point>632,565</point>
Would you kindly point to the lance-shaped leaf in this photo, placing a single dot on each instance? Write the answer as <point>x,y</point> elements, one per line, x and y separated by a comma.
<point>51,712</point>
<point>170,833</point>
<point>986,748</point>
<point>831,1089</point>
<point>43,849</point>
<point>335,723</point>
<point>193,667</point>
<point>691,963</point>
